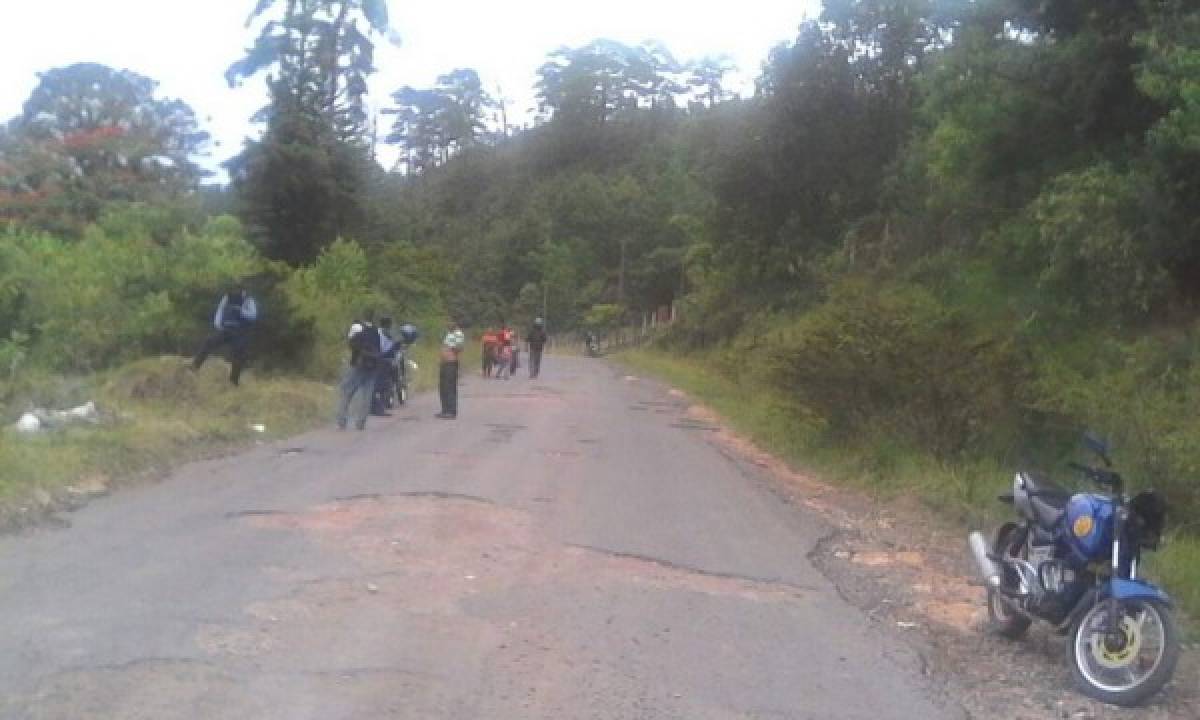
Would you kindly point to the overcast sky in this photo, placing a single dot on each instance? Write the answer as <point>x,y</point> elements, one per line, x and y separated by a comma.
<point>187,45</point>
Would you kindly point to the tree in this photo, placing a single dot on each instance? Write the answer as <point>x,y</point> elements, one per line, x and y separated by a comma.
<point>466,105</point>
<point>590,84</point>
<point>319,55</point>
<point>432,123</point>
<point>90,135</point>
<point>419,128</point>
<point>707,77</point>
<point>302,185</point>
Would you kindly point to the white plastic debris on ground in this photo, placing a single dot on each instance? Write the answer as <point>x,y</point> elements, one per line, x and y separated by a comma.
<point>38,419</point>
<point>86,412</point>
<point>28,423</point>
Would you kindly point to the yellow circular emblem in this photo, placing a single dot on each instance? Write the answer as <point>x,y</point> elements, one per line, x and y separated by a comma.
<point>1083,525</point>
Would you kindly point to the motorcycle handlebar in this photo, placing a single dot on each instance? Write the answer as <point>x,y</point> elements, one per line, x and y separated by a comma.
<point>1097,475</point>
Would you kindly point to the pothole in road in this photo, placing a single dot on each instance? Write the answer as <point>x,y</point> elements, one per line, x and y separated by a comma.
<point>560,454</point>
<point>502,433</point>
<point>429,551</point>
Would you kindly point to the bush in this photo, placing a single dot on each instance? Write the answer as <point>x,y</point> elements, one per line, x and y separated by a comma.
<point>1086,238</point>
<point>894,362</point>
<point>329,295</point>
<point>1142,395</point>
<point>108,298</point>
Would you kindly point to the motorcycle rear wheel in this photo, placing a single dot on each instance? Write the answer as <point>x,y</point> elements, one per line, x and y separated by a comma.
<point>1129,672</point>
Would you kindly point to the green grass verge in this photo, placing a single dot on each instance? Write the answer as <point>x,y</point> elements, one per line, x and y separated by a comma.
<point>156,413</point>
<point>962,492</point>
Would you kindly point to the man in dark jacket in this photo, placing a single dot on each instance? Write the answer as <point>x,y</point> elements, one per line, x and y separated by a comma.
<point>359,381</point>
<point>236,314</point>
<point>537,344</point>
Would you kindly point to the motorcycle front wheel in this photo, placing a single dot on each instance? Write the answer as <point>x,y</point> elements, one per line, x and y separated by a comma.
<point>1129,665</point>
<point>1002,616</point>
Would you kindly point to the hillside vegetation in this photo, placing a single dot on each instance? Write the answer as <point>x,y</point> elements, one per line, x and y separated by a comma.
<point>945,234</point>
<point>940,241</point>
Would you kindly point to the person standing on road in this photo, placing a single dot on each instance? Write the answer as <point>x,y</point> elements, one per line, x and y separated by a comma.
<point>360,378</point>
<point>490,342</point>
<point>537,344</point>
<point>385,380</point>
<point>452,346</point>
<point>236,314</point>
<point>514,342</point>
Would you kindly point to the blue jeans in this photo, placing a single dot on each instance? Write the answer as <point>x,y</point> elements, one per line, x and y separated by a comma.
<point>359,381</point>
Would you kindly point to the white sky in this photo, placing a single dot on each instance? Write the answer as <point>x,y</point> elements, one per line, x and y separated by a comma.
<point>187,45</point>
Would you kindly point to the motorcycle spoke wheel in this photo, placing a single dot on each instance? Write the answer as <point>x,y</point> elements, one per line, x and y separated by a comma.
<point>1124,666</point>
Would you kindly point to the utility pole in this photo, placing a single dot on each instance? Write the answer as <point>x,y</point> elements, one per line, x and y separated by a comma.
<point>621,275</point>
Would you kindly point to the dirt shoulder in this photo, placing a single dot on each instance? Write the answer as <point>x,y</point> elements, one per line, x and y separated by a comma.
<point>908,571</point>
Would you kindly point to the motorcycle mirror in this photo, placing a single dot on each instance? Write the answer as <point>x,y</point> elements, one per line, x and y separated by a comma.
<point>1098,445</point>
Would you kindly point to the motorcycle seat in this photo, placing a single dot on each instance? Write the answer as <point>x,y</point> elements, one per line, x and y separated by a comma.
<point>1037,484</point>
<point>1048,500</point>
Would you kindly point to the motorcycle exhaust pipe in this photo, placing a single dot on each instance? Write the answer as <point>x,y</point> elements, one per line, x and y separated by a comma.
<point>982,553</point>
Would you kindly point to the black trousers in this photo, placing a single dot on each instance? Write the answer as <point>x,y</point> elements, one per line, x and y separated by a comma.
<point>238,340</point>
<point>535,360</point>
<point>448,388</point>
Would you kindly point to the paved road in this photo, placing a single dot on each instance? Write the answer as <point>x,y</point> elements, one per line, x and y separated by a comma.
<point>572,547</point>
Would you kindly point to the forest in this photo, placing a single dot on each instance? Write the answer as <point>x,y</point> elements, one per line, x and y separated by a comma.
<point>939,234</point>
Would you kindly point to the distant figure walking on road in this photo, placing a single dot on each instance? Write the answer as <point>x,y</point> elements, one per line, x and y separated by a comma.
<point>491,343</point>
<point>452,346</point>
<point>537,344</point>
<point>359,381</point>
<point>236,314</point>
<point>504,362</point>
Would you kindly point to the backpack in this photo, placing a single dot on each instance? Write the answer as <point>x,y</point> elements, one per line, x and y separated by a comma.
<point>365,346</point>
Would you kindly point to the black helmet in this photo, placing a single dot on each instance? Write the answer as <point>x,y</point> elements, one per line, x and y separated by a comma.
<point>409,333</point>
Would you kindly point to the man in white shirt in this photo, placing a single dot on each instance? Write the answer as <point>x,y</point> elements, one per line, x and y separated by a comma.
<point>452,347</point>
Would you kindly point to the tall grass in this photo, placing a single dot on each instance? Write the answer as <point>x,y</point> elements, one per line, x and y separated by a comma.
<point>156,413</point>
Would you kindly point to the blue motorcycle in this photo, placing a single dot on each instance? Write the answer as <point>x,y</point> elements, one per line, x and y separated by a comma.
<point>1072,560</point>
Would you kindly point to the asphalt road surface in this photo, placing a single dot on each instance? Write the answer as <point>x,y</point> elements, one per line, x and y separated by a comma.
<point>570,547</point>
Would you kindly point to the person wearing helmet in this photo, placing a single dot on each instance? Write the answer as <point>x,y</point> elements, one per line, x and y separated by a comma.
<point>537,344</point>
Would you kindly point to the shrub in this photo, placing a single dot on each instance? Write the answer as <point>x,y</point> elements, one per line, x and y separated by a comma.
<point>329,295</point>
<point>1142,395</point>
<point>1087,239</point>
<point>108,298</point>
<point>894,361</point>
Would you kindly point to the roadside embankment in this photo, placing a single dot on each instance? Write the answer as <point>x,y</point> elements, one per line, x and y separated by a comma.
<point>960,494</point>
